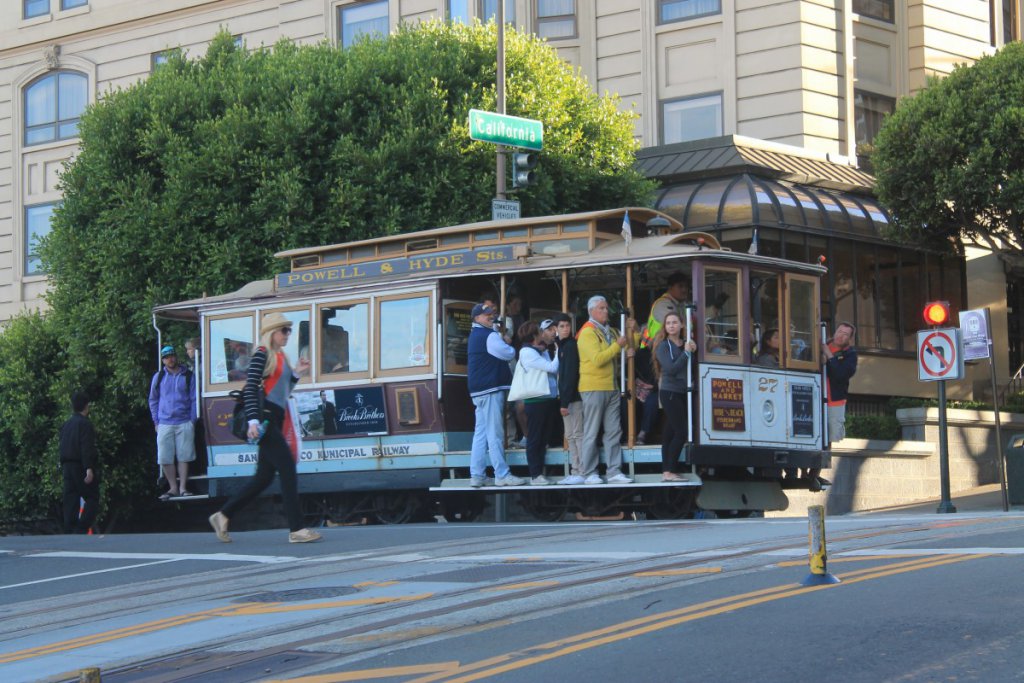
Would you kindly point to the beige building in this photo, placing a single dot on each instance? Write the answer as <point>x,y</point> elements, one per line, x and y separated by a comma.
<point>751,112</point>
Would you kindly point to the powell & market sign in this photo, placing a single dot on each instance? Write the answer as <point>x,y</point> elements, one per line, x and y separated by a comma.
<point>398,266</point>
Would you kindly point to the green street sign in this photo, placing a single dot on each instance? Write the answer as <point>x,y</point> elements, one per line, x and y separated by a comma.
<point>506,130</point>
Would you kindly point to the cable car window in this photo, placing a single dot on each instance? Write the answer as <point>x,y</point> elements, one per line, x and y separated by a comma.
<point>344,338</point>
<point>764,312</point>
<point>802,316</point>
<point>231,345</point>
<point>404,339</point>
<point>457,323</point>
<point>721,313</point>
<point>297,345</point>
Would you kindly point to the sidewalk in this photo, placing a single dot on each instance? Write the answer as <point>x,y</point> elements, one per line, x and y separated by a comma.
<point>988,498</point>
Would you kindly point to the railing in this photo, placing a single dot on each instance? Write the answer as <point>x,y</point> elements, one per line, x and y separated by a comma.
<point>1014,386</point>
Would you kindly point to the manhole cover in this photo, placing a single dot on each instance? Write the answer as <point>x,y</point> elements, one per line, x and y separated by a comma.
<point>299,594</point>
<point>488,572</point>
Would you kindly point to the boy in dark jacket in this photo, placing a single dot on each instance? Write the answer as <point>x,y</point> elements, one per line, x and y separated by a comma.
<point>78,467</point>
<point>570,402</point>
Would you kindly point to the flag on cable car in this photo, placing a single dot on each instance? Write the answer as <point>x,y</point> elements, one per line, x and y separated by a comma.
<point>627,230</point>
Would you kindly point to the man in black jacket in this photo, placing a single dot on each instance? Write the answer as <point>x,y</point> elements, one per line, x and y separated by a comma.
<point>79,467</point>
<point>570,402</point>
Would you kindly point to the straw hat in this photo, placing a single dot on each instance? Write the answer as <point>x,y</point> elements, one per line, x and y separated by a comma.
<point>272,321</point>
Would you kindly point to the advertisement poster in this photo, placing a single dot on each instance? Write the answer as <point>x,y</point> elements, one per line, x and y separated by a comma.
<point>727,412</point>
<point>342,412</point>
<point>802,409</point>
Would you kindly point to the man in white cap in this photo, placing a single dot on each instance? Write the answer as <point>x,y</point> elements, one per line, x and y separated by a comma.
<point>489,378</point>
<point>172,404</point>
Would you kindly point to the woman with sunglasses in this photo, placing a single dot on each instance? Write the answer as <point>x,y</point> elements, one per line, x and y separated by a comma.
<point>269,373</point>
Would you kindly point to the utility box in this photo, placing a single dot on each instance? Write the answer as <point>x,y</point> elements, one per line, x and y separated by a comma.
<point>1015,469</point>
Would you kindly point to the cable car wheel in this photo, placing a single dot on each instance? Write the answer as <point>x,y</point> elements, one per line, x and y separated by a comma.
<point>672,502</point>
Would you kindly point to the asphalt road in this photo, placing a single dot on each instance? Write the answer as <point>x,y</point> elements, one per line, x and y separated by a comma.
<point>922,598</point>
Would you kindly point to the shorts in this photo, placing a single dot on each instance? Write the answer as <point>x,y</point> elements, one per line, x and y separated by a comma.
<point>836,423</point>
<point>175,443</point>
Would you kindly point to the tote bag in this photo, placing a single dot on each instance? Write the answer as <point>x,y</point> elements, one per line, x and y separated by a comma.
<point>528,384</point>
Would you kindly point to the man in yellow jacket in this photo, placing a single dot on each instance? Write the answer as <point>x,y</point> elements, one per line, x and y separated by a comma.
<point>599,347</point>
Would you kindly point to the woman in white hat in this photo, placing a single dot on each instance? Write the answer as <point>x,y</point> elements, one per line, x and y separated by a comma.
<point>270,373</point>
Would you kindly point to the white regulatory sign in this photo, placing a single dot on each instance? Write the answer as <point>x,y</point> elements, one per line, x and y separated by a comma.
<point>504,209</point>
<point>939,355</point>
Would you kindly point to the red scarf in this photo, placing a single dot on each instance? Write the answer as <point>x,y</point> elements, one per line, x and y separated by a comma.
<point>288,427</point>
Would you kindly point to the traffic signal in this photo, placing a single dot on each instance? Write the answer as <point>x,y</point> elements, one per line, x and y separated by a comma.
<point>936,313</point>
<point>523,164</point>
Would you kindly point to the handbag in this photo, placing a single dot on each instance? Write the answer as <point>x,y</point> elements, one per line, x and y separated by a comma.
<point>239,421</point>
<point>527,383</point>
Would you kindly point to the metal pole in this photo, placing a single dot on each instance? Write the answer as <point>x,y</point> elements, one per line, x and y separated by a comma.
<point>999,431</point>
<point>631,364</point>
<point>689,376</point>
<point>500,93</point>
<point>945,504</point>
<point>817,555</point>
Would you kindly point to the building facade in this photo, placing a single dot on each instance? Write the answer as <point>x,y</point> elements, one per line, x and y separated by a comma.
<point>785,95</point>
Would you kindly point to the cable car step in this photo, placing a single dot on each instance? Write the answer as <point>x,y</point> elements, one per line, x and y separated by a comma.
<point>639,481</point>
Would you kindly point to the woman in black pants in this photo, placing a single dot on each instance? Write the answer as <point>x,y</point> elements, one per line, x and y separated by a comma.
<point>270,374</point>
<point>671,356</point>
<point>542,412</point>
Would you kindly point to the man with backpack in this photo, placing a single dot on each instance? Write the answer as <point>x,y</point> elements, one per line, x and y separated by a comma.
<point>172,406</point>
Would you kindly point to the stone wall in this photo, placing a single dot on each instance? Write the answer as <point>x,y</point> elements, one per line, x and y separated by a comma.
<point>869,474</point>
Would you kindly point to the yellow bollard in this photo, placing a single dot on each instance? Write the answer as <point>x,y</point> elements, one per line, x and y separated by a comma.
<point>89,676</point>
<point>817,556</point>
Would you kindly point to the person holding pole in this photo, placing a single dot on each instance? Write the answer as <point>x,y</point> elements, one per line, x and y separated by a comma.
<point>840,360</point>
<point>600,347</point>
<point>672,353</point>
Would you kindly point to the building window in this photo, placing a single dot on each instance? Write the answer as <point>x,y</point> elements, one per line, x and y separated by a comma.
<point>158,59</point>
<point>882,10</point>
<point>556,19</point>
<point>36,8</point>
<point>367,18</point>
<point>71,4</point>
<point>869,112</point>
<point>53,104</point>
<point>37,226</point>
<point>1010,27</point>
<point>694,118</point>
<point>680,10</point>
<point>463,11</point>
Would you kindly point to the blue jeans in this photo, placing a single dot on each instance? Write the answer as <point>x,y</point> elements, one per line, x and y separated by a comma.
<point>489,436</point>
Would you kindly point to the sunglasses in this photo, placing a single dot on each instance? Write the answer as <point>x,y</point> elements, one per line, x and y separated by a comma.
<point>286,330</point>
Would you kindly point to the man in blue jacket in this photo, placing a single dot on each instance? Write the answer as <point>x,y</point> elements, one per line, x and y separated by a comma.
<point>172,404</point>
<point>489,378</point>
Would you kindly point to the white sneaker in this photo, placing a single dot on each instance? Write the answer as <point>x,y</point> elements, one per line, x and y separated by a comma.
<point>510,480</point>
<point>619,478</point>
<point>521,443</point>
<point>572,480</point>
<point>477,482</point>
<point>303,536</point>
<point>593,479</point>
<point>540,481</point>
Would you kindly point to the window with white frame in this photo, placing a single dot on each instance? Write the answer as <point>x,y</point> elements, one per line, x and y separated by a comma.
<point>365,18</point>
<point>37,226</point>
<point>681,10</point>
<point>556,19</point>
<point>883,10</point>
<point>53,105</point>
<point>693,118</point>
<point>71,4</point>
<point>463,11</point>
<point>35,8</point>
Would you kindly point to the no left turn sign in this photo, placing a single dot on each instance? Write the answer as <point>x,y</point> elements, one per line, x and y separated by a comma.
<point>939,355</point>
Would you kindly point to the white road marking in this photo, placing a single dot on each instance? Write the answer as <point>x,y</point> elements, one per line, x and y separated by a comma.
<point>75,576</point>
<point>916,552</point>
<point>215,557</point>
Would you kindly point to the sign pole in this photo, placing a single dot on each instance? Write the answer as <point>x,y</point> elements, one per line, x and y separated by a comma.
<point>945,504</point>
<point>499,162</point>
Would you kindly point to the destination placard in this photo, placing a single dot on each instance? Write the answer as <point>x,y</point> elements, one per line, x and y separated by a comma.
<point>397,266</point>
<point>727,412</point>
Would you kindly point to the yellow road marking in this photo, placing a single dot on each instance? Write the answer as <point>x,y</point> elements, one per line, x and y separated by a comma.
<point>859,558</point>
<point>387,672</point>
<point>244,609</point>
<point>681,572</point>
<point>520,586</point>
<point>365,584</point>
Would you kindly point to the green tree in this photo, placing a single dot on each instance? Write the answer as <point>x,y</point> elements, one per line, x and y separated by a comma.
<point>189,182</point>
<point>950,160</point>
